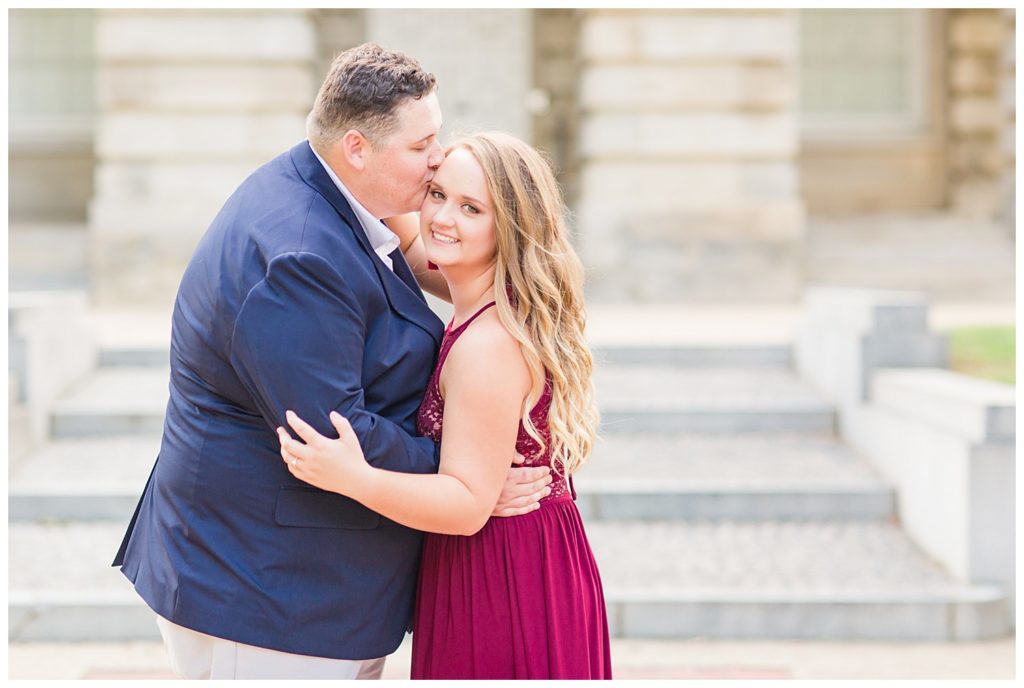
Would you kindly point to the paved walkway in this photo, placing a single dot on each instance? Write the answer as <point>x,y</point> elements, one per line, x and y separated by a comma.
<point>636,659</point>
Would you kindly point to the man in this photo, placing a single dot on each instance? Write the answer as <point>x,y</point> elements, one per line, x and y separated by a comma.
<point>298,297</point>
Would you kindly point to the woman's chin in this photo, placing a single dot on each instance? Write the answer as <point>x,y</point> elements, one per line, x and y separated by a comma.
<point>437,262</point>
<point>443,265</point>
<point>439,255</point>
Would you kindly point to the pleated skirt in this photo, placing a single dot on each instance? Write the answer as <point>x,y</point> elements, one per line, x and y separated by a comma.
<point>521,599</point>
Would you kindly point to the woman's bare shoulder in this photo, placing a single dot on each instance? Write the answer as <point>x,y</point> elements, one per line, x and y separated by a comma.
<point>486,350</point>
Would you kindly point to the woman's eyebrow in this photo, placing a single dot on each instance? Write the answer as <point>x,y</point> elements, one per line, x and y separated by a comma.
<point>473,200</point>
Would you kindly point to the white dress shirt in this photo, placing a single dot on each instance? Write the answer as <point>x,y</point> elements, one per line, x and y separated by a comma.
<point>382,239</point>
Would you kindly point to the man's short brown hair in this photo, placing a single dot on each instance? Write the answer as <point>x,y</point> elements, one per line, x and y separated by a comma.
<point>364,87</point>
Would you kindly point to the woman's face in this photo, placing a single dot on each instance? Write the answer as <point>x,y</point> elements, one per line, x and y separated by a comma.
<point>457,216</point>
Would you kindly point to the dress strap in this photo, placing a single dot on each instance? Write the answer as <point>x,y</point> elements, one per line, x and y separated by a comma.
<point>450,336</point>
<point>471,318</point>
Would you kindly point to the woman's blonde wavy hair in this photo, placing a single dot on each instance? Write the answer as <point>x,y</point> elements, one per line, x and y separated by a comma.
<point>538,287</point>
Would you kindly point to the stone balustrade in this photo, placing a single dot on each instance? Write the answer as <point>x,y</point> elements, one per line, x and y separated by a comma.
<point>50,347</point>
<point>944,440</point>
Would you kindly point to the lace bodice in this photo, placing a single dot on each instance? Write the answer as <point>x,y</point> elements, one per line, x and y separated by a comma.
<point>429,421</point>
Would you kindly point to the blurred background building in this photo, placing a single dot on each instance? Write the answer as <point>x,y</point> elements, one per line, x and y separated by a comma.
<point>708,155</point>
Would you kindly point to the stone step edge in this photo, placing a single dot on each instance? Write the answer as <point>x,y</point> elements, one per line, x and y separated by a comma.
<point>960,613</point>
<point>85,407</point>
<point>616,421</point>
<point>739,505</point>
<point>955,614</point>
<point>678,354</point>
<point>610,486</point>
<point>75,616</point>
<point>875,503</point>
<point>699,408</point>
<point>687,355</point>
<point>591,487</point>
<point>953,592</point>
<point>620,421</point>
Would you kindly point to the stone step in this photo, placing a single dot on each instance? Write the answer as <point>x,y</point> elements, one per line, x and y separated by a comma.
<point>113,401</point>
<point>132,400</point>
<point>644,399</point>
<point>88,479</point>
<point>746,477</point>
<point>695,355</point>
<point>836,580</point>
<point>113,355</point>
<point>61,585</point>
<point>128,356</point>
<point>743,477</point>
<point>662,580</point>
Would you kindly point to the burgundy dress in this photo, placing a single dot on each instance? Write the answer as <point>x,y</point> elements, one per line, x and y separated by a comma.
<point>520,599</point>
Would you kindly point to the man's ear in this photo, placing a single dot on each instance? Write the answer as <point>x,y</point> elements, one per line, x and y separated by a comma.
<point>353,147</point>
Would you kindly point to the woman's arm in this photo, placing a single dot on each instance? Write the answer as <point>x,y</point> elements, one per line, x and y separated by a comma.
<point>486,381</point>
<point>407,227</point>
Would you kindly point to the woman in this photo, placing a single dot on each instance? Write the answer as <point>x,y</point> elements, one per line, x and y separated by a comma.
<point>516,597</point>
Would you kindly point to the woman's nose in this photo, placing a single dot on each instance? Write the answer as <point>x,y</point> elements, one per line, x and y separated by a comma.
<point>443,217</point>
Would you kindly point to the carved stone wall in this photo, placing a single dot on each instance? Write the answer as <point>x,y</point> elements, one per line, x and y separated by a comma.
<point>688,155</point>
<point>184,115</point>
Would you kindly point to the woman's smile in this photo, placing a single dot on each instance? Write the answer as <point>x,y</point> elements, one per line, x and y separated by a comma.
<point>443,238</point>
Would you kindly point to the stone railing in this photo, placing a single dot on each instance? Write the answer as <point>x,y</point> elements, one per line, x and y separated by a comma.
<point>945,441</point>
<point>50,346</point>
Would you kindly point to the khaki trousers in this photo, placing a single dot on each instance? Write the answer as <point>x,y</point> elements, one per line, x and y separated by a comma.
<point>197,655</point>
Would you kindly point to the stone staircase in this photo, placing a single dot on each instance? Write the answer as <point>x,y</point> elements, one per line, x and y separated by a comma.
<point>719,504</point>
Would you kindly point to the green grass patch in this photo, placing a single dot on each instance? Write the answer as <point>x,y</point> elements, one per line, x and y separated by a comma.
<point>988,352</point>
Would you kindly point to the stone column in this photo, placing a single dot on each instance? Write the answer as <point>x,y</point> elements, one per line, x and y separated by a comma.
<point>482,60</point>
<point>977,117</point>
<point>555,77</point>
<point>189,102</point>
<point>337,30</point>
<point>1008,138</point>
<point>688,151</point>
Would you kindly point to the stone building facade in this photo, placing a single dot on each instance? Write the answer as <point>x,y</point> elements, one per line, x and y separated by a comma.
<point>702,152</point>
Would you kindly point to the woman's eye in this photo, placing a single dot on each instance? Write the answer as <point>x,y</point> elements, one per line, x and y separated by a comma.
<point>437,194</point>
<point>470,209</point>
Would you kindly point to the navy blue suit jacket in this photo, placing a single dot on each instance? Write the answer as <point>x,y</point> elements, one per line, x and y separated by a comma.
<point>284,305</point>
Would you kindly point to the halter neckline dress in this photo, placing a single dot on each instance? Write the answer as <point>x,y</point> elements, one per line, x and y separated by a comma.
<point>521,598</point>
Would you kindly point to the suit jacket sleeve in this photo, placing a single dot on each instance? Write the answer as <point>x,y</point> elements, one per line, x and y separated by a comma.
<point>298,344</point>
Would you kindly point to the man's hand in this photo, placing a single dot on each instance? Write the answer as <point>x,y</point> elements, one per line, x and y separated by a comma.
<point>523,490</point>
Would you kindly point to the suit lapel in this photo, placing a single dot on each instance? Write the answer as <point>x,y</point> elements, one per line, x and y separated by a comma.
<point>404,272</point>
<point>400,287</point>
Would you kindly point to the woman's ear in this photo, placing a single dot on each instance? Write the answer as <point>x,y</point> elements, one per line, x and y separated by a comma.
<point>353,147</point>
